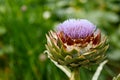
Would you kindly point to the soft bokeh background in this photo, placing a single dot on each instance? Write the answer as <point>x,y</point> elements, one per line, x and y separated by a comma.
<point>24,23</point>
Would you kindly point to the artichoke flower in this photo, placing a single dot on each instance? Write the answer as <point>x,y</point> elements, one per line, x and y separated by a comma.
<point>75,43</point>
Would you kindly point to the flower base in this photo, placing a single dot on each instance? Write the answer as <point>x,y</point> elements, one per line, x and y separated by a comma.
<point>75,74</point>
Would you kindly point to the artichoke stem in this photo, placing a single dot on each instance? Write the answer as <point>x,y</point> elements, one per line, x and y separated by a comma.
<point>75,74</point>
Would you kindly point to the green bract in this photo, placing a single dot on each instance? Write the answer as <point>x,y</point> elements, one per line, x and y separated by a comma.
<point>83,53</point>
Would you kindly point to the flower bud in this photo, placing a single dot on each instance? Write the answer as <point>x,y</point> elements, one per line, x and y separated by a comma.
<point>76,43</point>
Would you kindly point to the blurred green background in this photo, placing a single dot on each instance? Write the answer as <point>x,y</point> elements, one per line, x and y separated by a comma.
<point>24,23</point>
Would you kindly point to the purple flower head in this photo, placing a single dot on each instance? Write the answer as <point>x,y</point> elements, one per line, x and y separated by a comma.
<point>75,29</point>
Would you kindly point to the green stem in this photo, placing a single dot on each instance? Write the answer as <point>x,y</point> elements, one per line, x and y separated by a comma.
<point>75,74</point>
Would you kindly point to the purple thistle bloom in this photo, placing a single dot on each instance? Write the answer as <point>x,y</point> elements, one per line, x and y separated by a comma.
<point>75,29</point>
